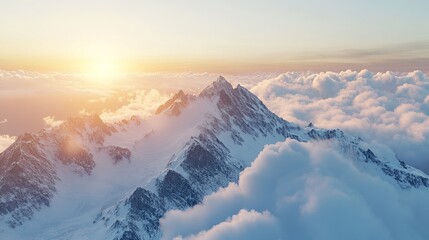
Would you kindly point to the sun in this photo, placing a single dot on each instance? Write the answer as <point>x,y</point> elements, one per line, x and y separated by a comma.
<point>103,72</point>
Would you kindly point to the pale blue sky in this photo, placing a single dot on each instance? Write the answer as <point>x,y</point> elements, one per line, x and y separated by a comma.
<point>210,35</point>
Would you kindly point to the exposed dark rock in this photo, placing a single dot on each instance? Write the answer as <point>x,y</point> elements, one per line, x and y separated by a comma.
<point>174,105</point>
<point>70,151</point>
<point>177,191</point>
<point>118,153</point>
<point>146,209</point>
<point>326,134</point>
<point>27,180</point>
<point>130,235</point>
<point>91,127</point>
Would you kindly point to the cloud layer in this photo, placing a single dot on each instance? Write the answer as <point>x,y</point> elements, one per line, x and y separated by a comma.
<point>50,121</point>
<point>304,191</point>
<point>391,108</point>
<point>6,141</point>
<point>27,97</point>
<point>141,103</point>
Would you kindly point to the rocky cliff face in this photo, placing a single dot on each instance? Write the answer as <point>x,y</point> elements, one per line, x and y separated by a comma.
<point>28,168</point>
<point>27,180</point>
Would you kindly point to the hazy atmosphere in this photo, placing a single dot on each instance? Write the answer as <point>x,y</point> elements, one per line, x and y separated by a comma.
<point>216,36</point>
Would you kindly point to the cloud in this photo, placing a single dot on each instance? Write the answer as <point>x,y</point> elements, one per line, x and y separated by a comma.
<point>189,82</point>
<point>50,121</point>
<point>63,95</point>
<point>391,108</point>
<point>141,103</point>
<point>101,100</point>
<point>244,225</point>
<point>394,51</point>
<point>6,141</point>
<point>299,190</point>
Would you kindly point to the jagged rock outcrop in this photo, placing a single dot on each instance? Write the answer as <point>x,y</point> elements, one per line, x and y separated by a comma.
<point>27,180</point>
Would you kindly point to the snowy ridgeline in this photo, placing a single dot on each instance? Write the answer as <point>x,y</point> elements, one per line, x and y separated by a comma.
<point>86,179</point>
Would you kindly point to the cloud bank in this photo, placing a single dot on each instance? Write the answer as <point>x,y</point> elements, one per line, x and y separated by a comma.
<point>304,191</point>
<point>391,108</point>
<point>6,141</point>
<point>141,103</point>
<point>27,97</point>
<point>50,121</point>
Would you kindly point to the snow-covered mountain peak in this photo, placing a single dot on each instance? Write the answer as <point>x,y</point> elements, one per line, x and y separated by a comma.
<point>216,87</point>
<point>89,127</point>
<point>80,123</point>
<point>221,81</point>
<point>27,138</point>
<point>175,104</point>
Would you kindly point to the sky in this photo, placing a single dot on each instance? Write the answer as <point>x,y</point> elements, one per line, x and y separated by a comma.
<point>60,59</point>
<point>220,36</point>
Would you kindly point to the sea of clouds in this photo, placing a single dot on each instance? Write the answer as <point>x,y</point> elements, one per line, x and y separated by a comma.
<point>310,191</point>
<point>31,100</point>
<point>299,190</point>
<point>292,190</point>
<point>390,108</point>
<point>387,107</point>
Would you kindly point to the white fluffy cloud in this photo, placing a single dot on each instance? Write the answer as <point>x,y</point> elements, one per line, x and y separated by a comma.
<point>304,191</point>
<point>243,225</point>
<point>141,103</point>
<point>392,108</point>
<point>62,95</point>
<point>50,121</point>
<point>6,141</point>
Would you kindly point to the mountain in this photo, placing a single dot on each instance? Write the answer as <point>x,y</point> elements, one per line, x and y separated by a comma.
<point>87,179</point>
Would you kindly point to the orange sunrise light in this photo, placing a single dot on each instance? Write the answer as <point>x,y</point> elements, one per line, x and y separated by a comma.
<point>103,72</point>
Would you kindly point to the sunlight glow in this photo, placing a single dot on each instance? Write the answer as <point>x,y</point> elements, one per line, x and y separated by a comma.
<point>103,72</point>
